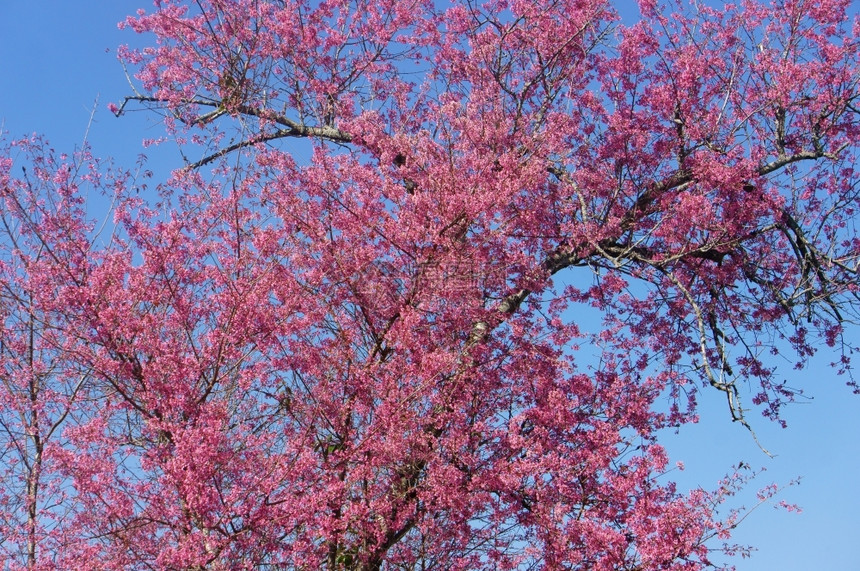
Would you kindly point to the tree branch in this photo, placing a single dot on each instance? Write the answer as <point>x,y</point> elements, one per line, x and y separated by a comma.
<point>291,128</point>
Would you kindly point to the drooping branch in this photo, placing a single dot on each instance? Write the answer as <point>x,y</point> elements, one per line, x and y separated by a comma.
<point>614,250</point>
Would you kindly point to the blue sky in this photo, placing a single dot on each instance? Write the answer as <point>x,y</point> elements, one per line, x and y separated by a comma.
<point>58,59</point>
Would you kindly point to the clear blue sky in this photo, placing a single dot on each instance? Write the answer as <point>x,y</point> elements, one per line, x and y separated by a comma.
<point>57,57</point>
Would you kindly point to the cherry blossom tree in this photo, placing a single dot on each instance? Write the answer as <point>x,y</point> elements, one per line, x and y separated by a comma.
<point>379,357</point>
